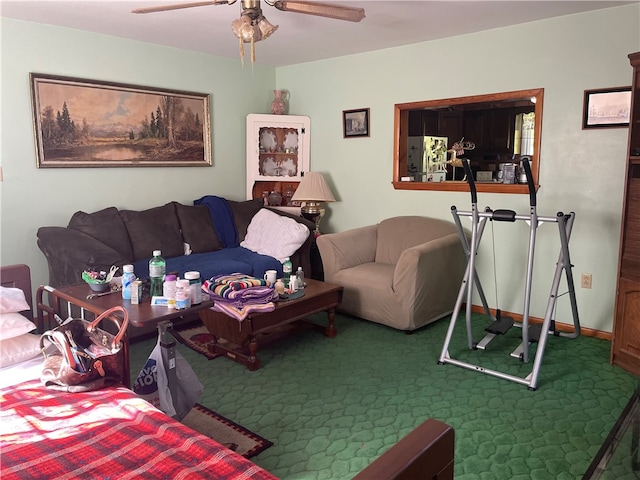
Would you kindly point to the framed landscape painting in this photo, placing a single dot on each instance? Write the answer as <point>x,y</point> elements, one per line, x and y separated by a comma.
<point>90,123</point>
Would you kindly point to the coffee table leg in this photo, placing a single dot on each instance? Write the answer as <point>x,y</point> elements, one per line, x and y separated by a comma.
<point>331,329</point>
<point>253,363</point>
<point>212,346</point>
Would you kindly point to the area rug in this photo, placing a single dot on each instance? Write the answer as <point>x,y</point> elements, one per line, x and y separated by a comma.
<point>226,432</point>
<point>198,339</point>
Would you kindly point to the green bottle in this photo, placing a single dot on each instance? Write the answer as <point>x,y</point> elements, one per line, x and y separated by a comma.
<point>157,269</point>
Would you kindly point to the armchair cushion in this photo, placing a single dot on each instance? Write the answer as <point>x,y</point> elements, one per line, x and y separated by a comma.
<point>390,245</point>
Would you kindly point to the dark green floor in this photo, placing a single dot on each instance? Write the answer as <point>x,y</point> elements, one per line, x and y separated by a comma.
<point>331,406</point>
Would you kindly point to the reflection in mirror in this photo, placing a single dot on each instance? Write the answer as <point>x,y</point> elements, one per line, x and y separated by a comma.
<point>492,131</point>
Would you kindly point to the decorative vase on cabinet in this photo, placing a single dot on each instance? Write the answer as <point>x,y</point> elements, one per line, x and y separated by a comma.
<point>279,105</point>
<point>277,153</point>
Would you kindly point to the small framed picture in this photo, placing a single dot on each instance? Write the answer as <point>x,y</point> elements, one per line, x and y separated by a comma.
<point>606,108</point>
<point>355,123</point>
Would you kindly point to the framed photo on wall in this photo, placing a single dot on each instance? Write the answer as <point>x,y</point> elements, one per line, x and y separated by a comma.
<point>355,123</point>
<point>90,123</point>
<point>606,108</point>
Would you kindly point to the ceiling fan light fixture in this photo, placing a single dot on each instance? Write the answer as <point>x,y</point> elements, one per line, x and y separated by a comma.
<point>266,27</point>
<point>245,29</point>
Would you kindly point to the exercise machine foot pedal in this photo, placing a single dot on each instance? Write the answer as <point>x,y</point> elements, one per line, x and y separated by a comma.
<point>500,325</point>
<point>534,332</point>
<point>534,336</point>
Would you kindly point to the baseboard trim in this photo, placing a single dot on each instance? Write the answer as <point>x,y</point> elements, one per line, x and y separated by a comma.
<point>563,327</point>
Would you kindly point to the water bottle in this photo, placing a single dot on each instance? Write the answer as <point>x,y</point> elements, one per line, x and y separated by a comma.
<point>157,269</point>
<point>287,269</point>
<point>169,290</point>
<point>128,277</point>
<point>300,275</point>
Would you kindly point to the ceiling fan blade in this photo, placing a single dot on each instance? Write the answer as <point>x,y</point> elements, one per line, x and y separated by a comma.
<point>163,8</point>
<point>330,10</point>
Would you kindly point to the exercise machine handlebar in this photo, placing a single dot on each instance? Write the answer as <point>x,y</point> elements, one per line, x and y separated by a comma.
<point>527,170</point>
<point>472,184</point>
<point>532,187</point>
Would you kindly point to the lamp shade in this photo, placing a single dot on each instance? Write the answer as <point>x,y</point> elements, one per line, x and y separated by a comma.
<point>313,188</point>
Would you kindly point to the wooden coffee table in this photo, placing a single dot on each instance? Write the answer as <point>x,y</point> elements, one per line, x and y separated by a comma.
<point>243,335</point>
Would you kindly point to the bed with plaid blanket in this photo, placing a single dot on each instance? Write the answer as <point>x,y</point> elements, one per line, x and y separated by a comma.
<point>109,433</point>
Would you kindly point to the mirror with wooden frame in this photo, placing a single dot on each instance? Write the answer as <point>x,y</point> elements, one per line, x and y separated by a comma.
<point>492,131</point>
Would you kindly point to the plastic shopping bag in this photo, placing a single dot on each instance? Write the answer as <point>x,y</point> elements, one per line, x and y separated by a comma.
<point>152,384</point>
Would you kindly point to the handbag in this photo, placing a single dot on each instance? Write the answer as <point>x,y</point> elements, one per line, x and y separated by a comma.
<point>87,357</point>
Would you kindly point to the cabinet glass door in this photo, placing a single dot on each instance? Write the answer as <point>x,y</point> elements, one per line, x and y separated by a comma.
<point>277,154</point>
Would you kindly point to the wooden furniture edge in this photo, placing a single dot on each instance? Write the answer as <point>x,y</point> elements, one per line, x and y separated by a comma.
<point>426,452</point>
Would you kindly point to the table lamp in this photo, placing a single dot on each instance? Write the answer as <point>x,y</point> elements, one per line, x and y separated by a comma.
<point>313,190</point>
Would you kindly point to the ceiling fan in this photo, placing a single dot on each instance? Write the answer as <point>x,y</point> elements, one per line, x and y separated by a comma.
<point>252,26</point>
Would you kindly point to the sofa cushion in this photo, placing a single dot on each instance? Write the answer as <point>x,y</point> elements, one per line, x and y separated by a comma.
<point>243,212</point>
<point>274,235</point>
<point>197,228</point>
<point>106,226</point>
<point>154,229</point>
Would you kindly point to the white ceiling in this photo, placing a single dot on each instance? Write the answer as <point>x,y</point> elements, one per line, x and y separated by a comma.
<point>299,38</point>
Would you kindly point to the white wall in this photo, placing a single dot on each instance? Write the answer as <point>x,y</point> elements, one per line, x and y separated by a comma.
<point>580,170</point>
<point>32,197</point>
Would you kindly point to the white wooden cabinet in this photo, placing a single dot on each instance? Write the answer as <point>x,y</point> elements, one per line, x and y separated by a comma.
<point>277,154</point>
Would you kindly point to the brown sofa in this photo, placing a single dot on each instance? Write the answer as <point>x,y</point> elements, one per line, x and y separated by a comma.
<point>404,272</point>
<point>118,237</point>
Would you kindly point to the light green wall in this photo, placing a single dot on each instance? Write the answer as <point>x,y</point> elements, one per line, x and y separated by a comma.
<point>581,171</point>
<point>32,197</point>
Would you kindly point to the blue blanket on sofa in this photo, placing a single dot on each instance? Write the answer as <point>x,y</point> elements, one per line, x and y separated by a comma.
<point>222,218</point>
<point>211,264</point>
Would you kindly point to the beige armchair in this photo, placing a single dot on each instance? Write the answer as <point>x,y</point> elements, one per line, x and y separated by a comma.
<point>404,272</point>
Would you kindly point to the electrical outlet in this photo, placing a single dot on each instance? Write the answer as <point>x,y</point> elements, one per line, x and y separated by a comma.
<point>585,281</point>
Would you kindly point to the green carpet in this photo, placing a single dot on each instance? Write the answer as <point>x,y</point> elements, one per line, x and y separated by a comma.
<point>331,406</point>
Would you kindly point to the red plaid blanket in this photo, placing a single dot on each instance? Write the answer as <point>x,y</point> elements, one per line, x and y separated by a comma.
<point>109,433</point>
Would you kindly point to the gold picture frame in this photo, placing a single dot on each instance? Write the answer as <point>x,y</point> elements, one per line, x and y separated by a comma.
<point>90,123</point>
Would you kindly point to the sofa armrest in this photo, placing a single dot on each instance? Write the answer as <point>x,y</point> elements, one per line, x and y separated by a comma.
<point>347,249</point>
<point>434,266</point>
<point>426,452</point>
<point>69,252</point>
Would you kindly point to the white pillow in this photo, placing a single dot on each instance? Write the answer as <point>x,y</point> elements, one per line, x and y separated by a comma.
<point>12,300</point>
<point>274,235</point>
<point>19,349</point>
<point>13,325</point>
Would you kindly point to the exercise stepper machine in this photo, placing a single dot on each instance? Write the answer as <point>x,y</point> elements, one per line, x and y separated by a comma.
<point>500,325</point>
